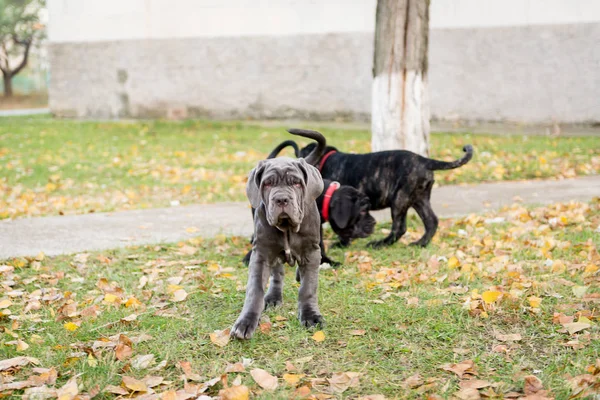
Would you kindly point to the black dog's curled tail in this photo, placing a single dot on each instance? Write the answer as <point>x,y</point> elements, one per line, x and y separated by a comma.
<point>435,165</point>
<point>315,156</point>
<point>282,146</point>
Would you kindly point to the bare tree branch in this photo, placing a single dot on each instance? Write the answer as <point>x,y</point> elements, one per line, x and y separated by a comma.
<point>24,60</point>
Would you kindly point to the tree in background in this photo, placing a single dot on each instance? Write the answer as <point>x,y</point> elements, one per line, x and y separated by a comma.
<point>20,28</point>
<point>400,112</point>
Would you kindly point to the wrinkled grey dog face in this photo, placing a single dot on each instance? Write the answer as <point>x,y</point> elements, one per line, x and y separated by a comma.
<point>284,185</point>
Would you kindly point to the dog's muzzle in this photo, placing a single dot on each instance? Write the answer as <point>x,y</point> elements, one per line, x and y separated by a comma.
<point>284,212</point>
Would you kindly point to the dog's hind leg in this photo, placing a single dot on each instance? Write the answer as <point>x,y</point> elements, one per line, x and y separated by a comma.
<point>423,208</point>
<point>274,296</point>
<point>430,220</point>
<point>399,210</point>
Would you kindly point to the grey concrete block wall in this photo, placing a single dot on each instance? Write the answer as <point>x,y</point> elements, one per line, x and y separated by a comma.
<point>523,74</point>
<point>306,76</point>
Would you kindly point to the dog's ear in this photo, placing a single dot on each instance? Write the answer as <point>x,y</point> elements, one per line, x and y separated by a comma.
<point>253,185</point>
<point>343,209</point>
<point>313,180</point>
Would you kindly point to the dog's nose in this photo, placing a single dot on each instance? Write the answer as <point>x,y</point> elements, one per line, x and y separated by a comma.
<point>281,201</point>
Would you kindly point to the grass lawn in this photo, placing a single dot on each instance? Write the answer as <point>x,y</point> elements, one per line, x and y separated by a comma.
<point>50,167</point>
<point>502,305</point>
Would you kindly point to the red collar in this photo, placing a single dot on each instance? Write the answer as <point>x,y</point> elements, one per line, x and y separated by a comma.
<point>324,159</point>
<point>332,188</point>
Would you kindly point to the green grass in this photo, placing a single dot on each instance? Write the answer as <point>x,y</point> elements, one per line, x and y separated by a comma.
<point>52,166</point>
<point>413,308</point>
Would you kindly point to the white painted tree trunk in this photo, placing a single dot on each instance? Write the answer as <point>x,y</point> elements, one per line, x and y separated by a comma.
<point>400,100</point>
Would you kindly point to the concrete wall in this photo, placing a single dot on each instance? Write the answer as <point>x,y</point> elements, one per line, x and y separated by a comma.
<point>530,61</point>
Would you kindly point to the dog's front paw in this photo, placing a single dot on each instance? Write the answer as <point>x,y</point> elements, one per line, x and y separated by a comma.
<point>420,243</point>
<point>376,244</point>
<point>272,300</point>
<point>330,262</point>
<point>310,318</point>
<point>245,326</point>
<point>341,244</point>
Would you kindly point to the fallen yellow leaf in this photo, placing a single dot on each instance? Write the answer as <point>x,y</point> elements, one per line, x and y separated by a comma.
<point>534,301</point>
<point>133,302</point>
<point>70,326</point>
<point>490,296</point>
<point>453,262</point>
<point>319,336</point>
<point>293,379</point>
<point>240,392</point>
<point>134,385</point>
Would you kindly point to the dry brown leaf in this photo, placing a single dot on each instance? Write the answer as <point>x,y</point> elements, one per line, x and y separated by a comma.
<point>237,367</point>
<point>68,391</point>
<point>358,332</point>
<point>264,379</point>
<point>17,362</point>
<point>129,318</point>
<point>500,348</point>
<point>134,385</point>
<point>116,390</point>
<point>372,397</point>
<point>17,385</point>
<point>510,337</point>
<point>461,369</point>
<point>474,384</point>
<point>413,381</point>
<point>179,295</point>
<point>123,351</point>
<point>153,381</point>
<point>290,367</point>
<point>574,327</point>
<point>220,338</point>
<point>265,327</point>
<point>468,394</point>
<point>339,382</point>
<point>187,250</point>
<point>235,393</point>
<point>532,384</point>
<point>302,392</point>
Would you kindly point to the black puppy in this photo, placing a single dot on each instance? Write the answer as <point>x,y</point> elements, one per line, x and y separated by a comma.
<point>398,179</point>
<point>345,208</point>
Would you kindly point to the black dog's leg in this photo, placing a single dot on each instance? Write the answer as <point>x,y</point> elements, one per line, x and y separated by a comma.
<point>246,259</point>
<point>342,242</point>
<point>430,220</point>
<point>399,211</point>
<point>324,258</point>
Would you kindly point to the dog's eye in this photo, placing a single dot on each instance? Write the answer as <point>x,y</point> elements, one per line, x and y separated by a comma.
<point>268,184</point>
<point>296,183</point>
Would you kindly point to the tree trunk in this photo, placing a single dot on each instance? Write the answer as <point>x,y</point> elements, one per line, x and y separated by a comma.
<point>7,78</point>
<point>400,112</point>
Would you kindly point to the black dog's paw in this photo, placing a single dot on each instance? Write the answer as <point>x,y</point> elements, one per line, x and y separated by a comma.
<point>310,319</point>
<point>273,301</point>
<point>246,259</point>
<point>330,262</point>
<point>420,243</point>
<point>376,244</point>
<point>245,326</point>
<point>340,245</point>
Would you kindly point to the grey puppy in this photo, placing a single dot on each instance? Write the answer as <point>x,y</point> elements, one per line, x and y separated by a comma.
<point>286,229</point>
